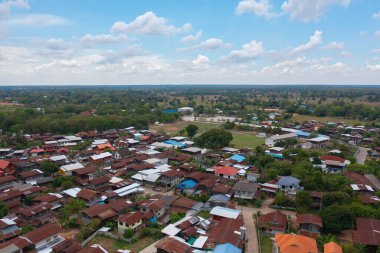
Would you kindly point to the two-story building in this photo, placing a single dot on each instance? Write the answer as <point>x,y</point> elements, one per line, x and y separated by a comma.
<point>132,220</point>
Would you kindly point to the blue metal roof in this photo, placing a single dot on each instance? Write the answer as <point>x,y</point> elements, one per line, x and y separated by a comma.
<point>278,156</point>
<point>288,181</point>
<point>238,158</point>
<point>227,248</point>
<point>302,133</point>
<point>176,143</point>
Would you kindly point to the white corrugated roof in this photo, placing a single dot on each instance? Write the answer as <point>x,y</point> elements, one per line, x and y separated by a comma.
<point>200,241</point>
<point>171,230</point>
<point>72,166</point>
<point>101,156</point>
<point>225,212</point>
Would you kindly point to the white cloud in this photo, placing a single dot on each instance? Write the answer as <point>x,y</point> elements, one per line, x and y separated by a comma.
<point>308,11</point>
<point>191,38</point>
<point>374,67</point>
<point>6,6</point>
<point>377,34</point>
<point>200,60</point>
<point>334,46</point>
<point>102,38</point>
<point>39,20</point>
<point>261,8</point>
<point>209,44</point>
<point>249,51</point>
<point>314,41</point>
<point>148,24</point>
<point>376,15</point>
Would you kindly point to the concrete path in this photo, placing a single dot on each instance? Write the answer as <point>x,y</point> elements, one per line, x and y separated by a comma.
<point>361,155</point>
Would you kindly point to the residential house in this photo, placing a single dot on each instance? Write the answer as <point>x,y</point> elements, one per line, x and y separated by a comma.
<point>273,222</point>
<point>154,207</point>
<point>217,233</point>
<point>332,247</point>
<point>319,142</point>
<point>171,178</point>
<point>100,184</point>
<point>132,220</point>
<point>290,243</point>
<point>6,182</point>
<point>89,196</point>
<point>245,190</point>
<point>99,211</point>
<point>6,168</point>
<point>316,199</point>
<point>309,224</point>
<point>30,176</point>
<point>226,172</point>
<point>274,139</point>
<point>333,164</point>
<point>172,245</point>
<point>8,229</point>
<point>367,233</point>
<point>289,185</point>
<point>82,175</point>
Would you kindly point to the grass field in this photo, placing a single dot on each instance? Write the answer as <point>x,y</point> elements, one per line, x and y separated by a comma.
<point>249,140</point>
<point>241,139</point>
<point>174,128</point>
<point>297,117</point>
<point>112,245</point>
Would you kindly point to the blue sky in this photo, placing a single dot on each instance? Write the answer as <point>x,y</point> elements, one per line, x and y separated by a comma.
<point>189,42</point>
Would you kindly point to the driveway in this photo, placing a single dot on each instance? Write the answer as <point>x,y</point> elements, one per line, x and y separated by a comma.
<point>361,155</point>
<point>249,224</point>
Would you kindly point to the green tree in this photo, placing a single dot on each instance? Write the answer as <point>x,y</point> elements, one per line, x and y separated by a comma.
<point>26,228</point>
<point>191,130</point>
<point>174,217</point>
<point>337,218</point>
<point>332,198</point>
<point>303,201</point>
<point>214,139</point>
<point>3,209</point>
<point>128,233</point>
<point>48,167</point>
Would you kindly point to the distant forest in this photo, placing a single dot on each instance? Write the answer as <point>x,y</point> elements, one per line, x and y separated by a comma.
<point>70,109</point>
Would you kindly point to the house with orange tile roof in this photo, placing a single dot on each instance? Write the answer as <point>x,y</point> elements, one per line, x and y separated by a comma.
<point>332,247</point>
<point>291,243</point>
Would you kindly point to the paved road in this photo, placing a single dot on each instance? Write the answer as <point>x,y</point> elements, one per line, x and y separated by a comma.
<point>252,246</point>
<point>361,155</point>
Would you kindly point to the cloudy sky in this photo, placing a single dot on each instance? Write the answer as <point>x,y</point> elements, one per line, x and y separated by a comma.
<point>189,42</point>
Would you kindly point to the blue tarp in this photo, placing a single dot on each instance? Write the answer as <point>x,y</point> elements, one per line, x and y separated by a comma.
<point>227,248</point>
<point>175,143</point>
<point>238,158</point>
<point>153,219</point>
<point>187,184</point>
<point>169,111</point>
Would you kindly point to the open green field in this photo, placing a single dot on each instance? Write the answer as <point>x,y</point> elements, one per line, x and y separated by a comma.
<point>174,128</point>
<point>249,140</point>
<point>241,139</point>
<point>112,245</point>
<point>297,117</point>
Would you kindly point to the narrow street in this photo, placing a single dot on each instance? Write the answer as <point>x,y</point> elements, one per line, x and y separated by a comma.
<point>361,155</point>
